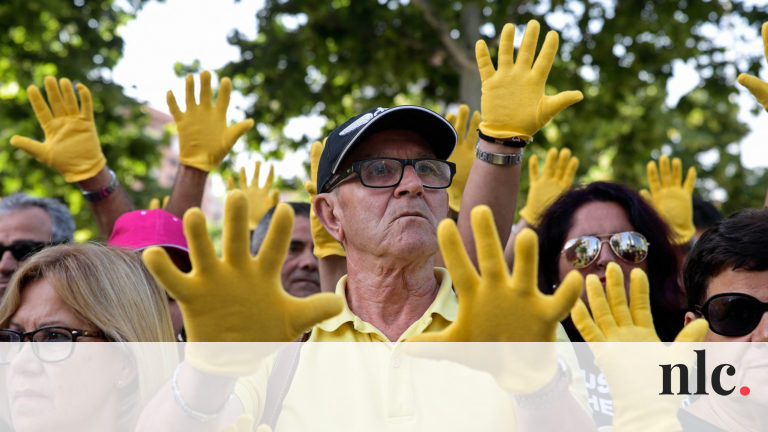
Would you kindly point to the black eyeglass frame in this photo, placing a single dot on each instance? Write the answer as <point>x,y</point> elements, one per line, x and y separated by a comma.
<point>74,334</point>
<point>355,168</point>
<point>703,310</point>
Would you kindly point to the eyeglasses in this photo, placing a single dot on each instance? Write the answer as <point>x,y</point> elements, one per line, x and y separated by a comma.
<point>22,249</point>
<point>733,314</point>
<point>388,172</point>
<point>58,346</point>
<point>582,251</point>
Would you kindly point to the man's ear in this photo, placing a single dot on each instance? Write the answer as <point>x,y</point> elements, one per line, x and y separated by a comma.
<point>326,209</point>
<point>690,317</point>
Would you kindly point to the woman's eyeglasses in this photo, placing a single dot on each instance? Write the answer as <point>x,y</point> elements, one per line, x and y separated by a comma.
<point>58,342</point>
<point>733,314</point>
<point>582,251</point>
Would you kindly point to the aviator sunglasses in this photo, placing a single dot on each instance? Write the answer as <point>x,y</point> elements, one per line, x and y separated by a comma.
<point>733,314</point>
<point>582,251</point>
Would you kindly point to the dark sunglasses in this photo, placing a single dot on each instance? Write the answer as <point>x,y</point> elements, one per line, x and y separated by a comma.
<point>733,314</point>
<point>583,251</point>
<point>22,249</point>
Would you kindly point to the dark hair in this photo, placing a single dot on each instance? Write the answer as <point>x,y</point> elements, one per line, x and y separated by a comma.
<point>705,214</point>
<point>736,242</point>
<point>663,267</point>
<point>299,209</point>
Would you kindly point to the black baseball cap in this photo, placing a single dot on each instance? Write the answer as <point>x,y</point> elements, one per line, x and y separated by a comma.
<point>436,130</point>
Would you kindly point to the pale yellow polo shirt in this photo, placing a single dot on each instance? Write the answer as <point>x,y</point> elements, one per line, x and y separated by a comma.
<point>371,387</point>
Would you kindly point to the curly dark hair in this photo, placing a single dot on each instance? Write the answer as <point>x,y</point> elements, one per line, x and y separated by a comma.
<point>663,264</point>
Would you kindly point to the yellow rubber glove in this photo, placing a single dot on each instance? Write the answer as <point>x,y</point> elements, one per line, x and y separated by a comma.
<point>325,244</point>
<point>513,101</point>
<point>559,170</point>
<point>238,298</point>
<point>754,84</point>
<point>496,306</point>
<point>155,204</point>
<point>464,153</point>
<point>244,423</point>
<point>260,199</point>
<point>672,197</point>
<point>71,144</point>
<point>204,138</point>
<point>632,370</point>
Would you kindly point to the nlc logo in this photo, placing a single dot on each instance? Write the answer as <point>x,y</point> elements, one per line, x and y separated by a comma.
<point>701,378</point>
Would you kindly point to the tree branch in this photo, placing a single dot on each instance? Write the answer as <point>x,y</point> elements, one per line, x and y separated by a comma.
<point>463,59</point>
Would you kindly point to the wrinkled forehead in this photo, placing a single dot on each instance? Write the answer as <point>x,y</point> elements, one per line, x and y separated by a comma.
<point>404,144</point>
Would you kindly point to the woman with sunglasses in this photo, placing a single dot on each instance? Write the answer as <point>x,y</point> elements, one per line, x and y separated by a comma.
<point>75,293</point>
<point>590,226</point>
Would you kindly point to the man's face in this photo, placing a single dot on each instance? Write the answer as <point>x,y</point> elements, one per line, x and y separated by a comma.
<point>754,283</point>
<point>31,223</point>
<point>399,221</point>
<point>299,275</point>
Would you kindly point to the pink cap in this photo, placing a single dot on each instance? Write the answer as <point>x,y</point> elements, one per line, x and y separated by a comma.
<point>141,229</point>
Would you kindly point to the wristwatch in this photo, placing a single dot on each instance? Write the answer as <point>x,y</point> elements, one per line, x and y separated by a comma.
<point>98,195</point>
<point>499,158</point>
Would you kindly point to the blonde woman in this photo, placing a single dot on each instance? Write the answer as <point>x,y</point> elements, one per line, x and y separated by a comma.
<point>83,293</point>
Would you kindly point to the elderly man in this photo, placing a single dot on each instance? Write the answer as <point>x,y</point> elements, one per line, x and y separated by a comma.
<point>299,274</point>
<point>381,181</point>
<point>28,224</point>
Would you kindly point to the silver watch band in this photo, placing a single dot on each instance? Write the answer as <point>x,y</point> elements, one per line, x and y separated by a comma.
<point>499,158</point>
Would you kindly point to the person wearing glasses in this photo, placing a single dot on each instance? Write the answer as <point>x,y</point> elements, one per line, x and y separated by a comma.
<point>27,225</point>
<point>74,293</point>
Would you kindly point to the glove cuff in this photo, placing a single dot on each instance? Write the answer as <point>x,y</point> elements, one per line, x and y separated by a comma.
<point>85,174</point>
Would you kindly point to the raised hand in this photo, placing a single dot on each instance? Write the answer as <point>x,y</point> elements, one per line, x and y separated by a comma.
<point>672,197</point>
<point>325,244</point>
<point>559,171</point>
<point>755,85</point>
<point>260,199</point>
<point>464,153</point>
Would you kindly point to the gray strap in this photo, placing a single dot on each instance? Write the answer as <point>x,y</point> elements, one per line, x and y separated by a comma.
<point>279,383</point>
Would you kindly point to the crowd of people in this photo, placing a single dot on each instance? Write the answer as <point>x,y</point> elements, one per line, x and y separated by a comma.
<point>406,239</point>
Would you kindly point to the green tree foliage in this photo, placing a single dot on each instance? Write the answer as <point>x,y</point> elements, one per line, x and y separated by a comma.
<point>78,40</point>
<point>337,58</point>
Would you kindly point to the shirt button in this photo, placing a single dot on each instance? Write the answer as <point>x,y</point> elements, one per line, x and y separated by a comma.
<point>396,363</point>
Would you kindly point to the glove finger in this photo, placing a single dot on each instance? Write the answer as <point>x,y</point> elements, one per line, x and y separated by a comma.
<point>506,53</point>
<point>235,131</point>
<point>677,172</point>
<point>460,267</point>
<point>546,57</point>
<point>533,168</point>
<point>311,189</point>
<point>646,196</point>
<point>549,165</point>
<point>490,255</point>
<point>205,89</point>
<point>617,297</point>
<point>526,266</point>
<point>190,91</point>
<point>270,177</point>
<point>222,102</point>
<point>451,118</point>
<point>690,181</point>
<point>528,47</point>
<point>551,105</point>
<point>34,148</point>
<point>566,295</point>
<point>664,171</point>
<point>461,122</point>
<point>166,273</point>
<point>201,252</point>
<point>562,162</point>
<point>474,124</point>
<point>275,245</point>
<point>654,184</point>
<point>262,428</point>
<point>314,309</point>
<point>70,102</point>
<point>230,183</point>
<point>764,32</point>
<point>154,204</point>
<point>755,86</point>
<point>570,172</point>
<point>315,152</point>
<point>640,303</point>
<point>235,240</point>
<point>42,112</point>
<point>585,324</point>
<point>245,423</point>
<point>274,198</point>
<point>599,306</point>
<point>86,103</point>
<point>173,107</point>
<point>483,58</point>
<point>165,200</point>
<point>693,332</point>
<point>242,179</point>
<point>54,96</point>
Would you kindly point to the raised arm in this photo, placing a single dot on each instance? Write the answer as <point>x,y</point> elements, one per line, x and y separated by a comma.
<point>72,148</point>
<point>204,140</point>
<point>514,108</point>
